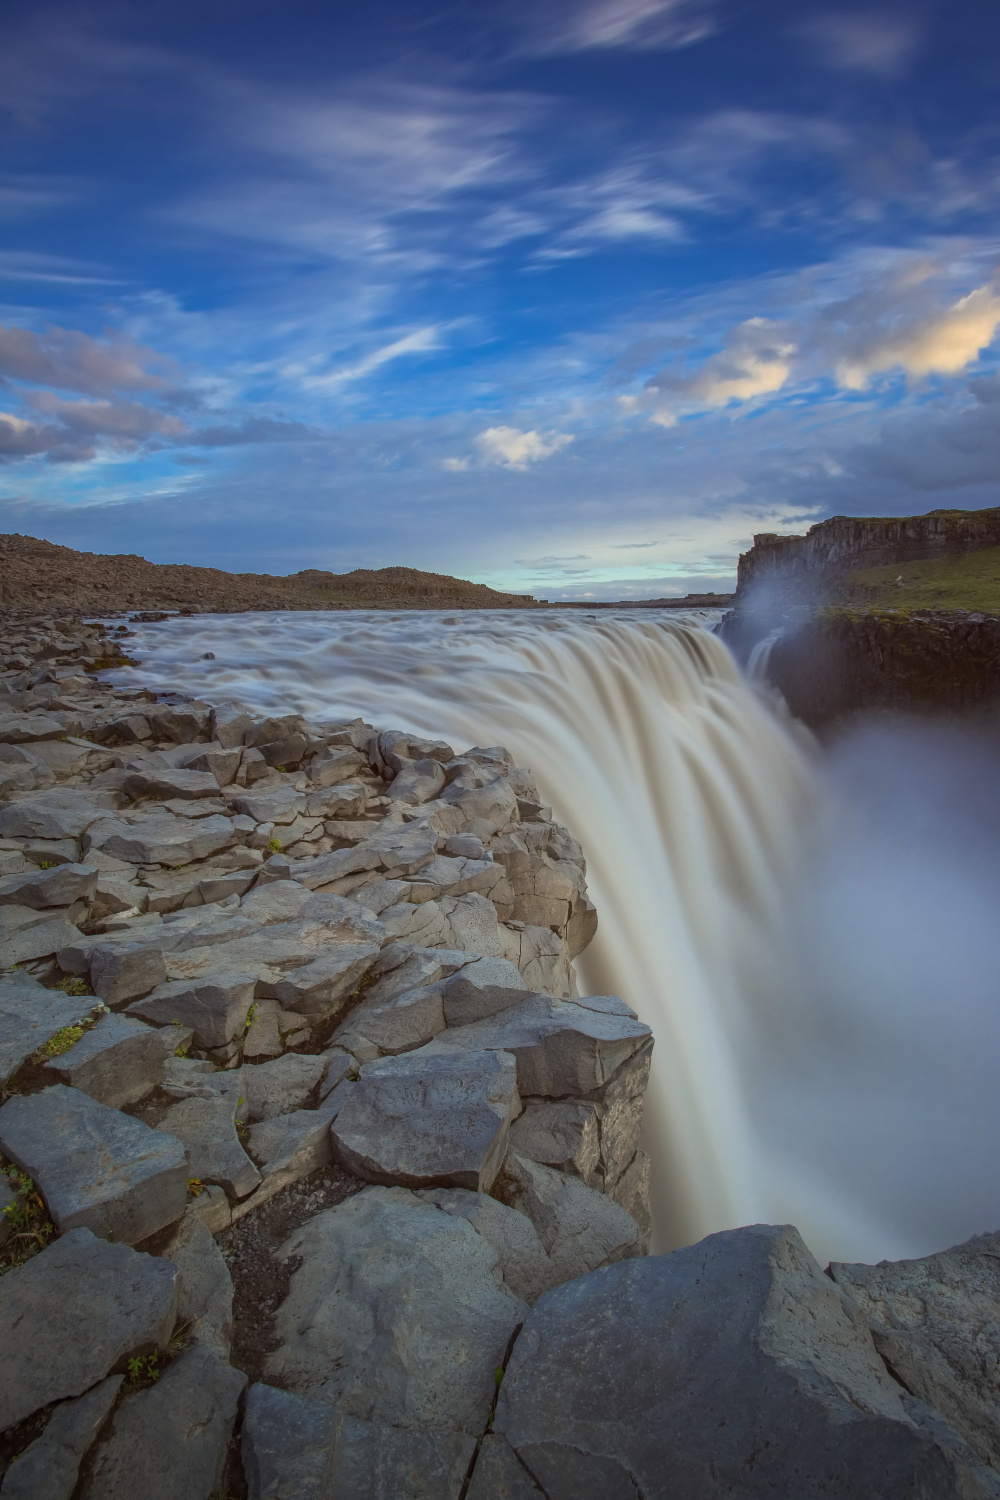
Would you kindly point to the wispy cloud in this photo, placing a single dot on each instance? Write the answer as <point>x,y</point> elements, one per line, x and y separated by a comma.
<point>515,449</point>
<point>586,25</point>
<point>865,41</point>
<point>419,342</point>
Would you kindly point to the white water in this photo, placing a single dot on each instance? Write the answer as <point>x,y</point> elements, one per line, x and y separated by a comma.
<point>709,837</point>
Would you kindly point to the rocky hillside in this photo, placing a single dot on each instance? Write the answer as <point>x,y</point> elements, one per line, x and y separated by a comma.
<point>37,575</point>
<point>319,1181</point>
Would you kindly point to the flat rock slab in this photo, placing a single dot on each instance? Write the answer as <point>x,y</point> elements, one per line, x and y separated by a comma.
<point>205,1304</point>
<point>30,1015</point>
<point>59,814</point>
<point>215,1007</point>
<point>164,783</point>
<point>429,1120</point>
<point>73,1314</point>
<point>94,1166</point>
<point>936,1323</point>
<point>290,1146</point>
<point>731,1367</point>
<point>39,939</point>
<point>123,970</point>
<point>287,1445</point>
<point>206,1127</point>
<point>50,1466</point>
<point>162,840</point>
<point>170,1441</point>
<point>482,989</point>
<point>396,1313</point>
<point>118,1062</point>
<point>286,1084</point>
<point>60,886</point>
<point>563,1047</point>
<point>401,1024</point>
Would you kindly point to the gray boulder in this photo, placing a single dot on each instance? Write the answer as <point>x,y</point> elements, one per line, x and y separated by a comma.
<point>527,1269</point>
<point>560,1133</point>
<point>632,1192</point>
<point>483,810</point>
<point>580,1229</point>
<point>180,723</point>
<point>276,805</point>
<point>429,1120</point>
<point>75,1312</point>
<point>291,1146</point>
<point>215,1007</point>
<point>563,1047</point>
<point>286,1084</point>
<point>409,1335</point>
<point>50,1466</point>
<point>124,970</point>
<point>739,1369</point>
<point>170,1440</point>
<point>936,1323</point>
<point>333,765</point>
<point>60,886</point>
<point>206,1127</point>
<point>230,723</point>
<point>30,1015</point>
<point>165,782</point>
<point>94,1166</point>
<point>59,814</point>
<point>482,989</point>
<point>420,781</point>
<point>39,939</point>
<point>117,1062</point>
<point>162,839</point>
<point>401,1024</point>
<point>287,1445</point>
<point>205,1301</point>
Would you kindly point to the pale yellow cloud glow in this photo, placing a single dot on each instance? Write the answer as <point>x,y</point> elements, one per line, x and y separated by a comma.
<point>941,345</point>
<point>515,449</point>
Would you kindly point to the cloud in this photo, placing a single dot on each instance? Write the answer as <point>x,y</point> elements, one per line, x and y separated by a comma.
<point>128,420</point>
<point>867,43</point>
<point>756,361</point>
<point>74,361</point>
<point>420,342</point>
<point>455,465</point>
<point>514,449</point>
<point>943,344</point>
<point>635,24</point>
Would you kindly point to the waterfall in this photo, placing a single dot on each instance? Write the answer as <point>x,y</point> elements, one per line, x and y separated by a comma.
<point>809,1036</point>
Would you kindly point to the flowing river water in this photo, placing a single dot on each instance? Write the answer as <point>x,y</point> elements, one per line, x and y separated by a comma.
<point>735,884</point>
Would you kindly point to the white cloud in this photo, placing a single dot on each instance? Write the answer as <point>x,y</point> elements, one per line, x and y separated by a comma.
<point>942,344</point>
<point>455,465</point>
<point>756,361</point>
<point>867,43</point>
<point>515,449</point>
<point>637,24</point>
<point>420,342</point>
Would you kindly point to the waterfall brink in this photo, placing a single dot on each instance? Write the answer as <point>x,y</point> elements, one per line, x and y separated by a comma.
<point>685,788</point>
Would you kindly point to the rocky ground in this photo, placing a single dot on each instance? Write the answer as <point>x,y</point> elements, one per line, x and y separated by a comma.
<point>322,1183</point>
<point>38,575</point>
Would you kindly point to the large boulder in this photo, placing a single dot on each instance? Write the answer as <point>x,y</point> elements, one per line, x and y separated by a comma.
<point>429,1120</point>
<point>117,1062</point>
<point>579,1227</point>
<point>936,1323</point>
<point>74,1313</point>
<point>731,1368</point>
<point>50,1466</point>
<point>31,1015</point>
<point>94,1166</point>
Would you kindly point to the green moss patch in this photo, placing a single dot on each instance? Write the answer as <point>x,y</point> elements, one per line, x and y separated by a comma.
<point>968,580</point>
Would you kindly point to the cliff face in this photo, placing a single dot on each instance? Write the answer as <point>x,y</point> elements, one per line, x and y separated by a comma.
<point>833,547</point>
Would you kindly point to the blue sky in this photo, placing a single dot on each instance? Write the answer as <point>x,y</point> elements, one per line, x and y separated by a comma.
<point>567,296</point>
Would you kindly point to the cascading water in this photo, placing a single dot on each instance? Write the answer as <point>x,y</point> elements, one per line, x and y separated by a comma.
<point>695,798</point>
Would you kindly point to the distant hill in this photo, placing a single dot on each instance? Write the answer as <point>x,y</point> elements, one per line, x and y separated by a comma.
<point>40,575</point>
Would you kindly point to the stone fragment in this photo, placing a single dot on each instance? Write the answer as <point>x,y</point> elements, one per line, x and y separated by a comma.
<point>339,1064</point>
<point>542,957</point>
<point>464,846</point>
<point>442,876</point>
<point>619,1105</point>
<point>180,724</point>
<point>281,1086</point>
<point>560,1133</point>
<point>280,902</point>
<point>334,764</point>
<point>429,1120</point>
<point>325,869</point>
<point>218,762</point>
<point>166,782</point>
<point>527,1269</point>
<point>215,1006</point>
<point>219,887</point>
<point>59,814</point>
<point>230,722</point>
<point>162,839</point>
<point>60,886</point>
<point>420,781</point>
<point>30,1015</point>
<point>117,1062</point>
<point>94,1166</point>
<point>122,971</point>
<point>276,805</point>
<point>579,1228</point>
<point>114,894</point>
<point>206,1127</point>
<point>936,1323</point>
<point>481,989</point>
<point>50,1466</point>
<point>563,1047</point>
<point>409,1336</point>
<point>345,800</point>
<point>46,852</point>
<point>263,1035</point>
<point>170,1440</point>
<point>75,1312</point>
<point>287,1445</point>
<point>632,1192</point>
<point>379,1461</point>
<point>205,1298</point>
<point>39,939</point>
<point>291,1146</point>
<point>395,749</point>
<point>483,810</point>
<point>393,1026</point>
<point>739,1369</point>
<point>211,1208</point>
